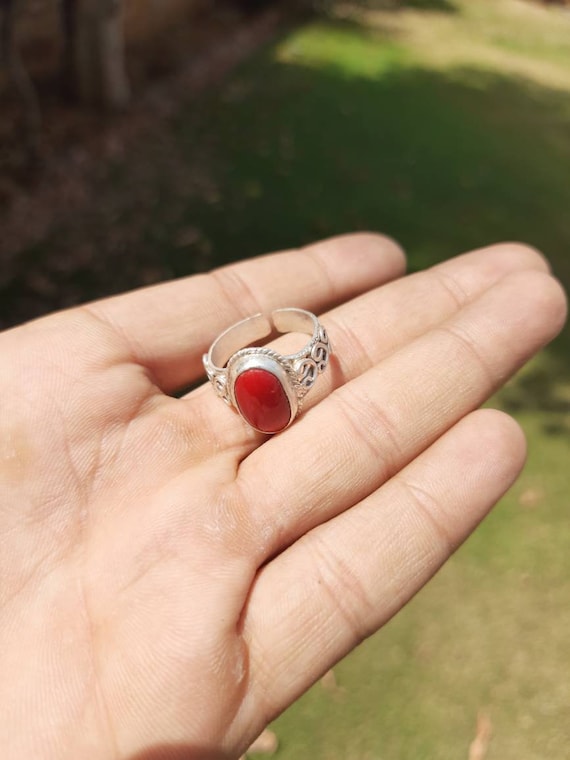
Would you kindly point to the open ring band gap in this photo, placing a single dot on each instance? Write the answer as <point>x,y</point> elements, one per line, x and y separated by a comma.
<point>264,386</point>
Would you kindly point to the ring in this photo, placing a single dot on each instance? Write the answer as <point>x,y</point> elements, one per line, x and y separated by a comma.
<point>266,388</point>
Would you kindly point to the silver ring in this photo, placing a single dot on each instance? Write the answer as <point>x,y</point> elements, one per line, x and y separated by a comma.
<point>266,388</point>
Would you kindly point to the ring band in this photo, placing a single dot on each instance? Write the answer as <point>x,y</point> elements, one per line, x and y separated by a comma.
<point>265,387</point>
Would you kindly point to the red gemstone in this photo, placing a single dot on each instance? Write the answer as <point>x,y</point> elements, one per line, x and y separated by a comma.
<point>262,400</point>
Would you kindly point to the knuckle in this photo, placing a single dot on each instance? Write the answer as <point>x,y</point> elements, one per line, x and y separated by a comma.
<point>235,289</point>
<point>342,588</point>
<point>370,426</point>
<point>472,354</point>
<point>348,343</point>
<point>450,286</point>
<point>428,509</point>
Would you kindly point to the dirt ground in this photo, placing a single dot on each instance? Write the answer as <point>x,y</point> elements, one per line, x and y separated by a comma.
<point>79,146</point>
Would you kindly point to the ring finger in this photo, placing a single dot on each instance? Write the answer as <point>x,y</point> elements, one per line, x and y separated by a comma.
<point>370,327</point>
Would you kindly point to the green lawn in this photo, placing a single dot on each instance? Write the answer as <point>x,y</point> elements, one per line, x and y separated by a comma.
<point>446,125</point>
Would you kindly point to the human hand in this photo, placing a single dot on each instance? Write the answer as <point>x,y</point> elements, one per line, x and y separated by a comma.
<point>172,580</point>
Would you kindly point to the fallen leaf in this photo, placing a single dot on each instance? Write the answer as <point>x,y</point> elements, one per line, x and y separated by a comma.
<point>328,681</point>
<point>480,744</point>
<point>531,497</point>
<point>265,744</point>
<point>330,684</point>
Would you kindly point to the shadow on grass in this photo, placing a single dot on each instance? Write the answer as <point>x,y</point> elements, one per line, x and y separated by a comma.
<point>446,6</point>
<point>441,6</point>
<point>444,162</point>
<point>544,389</point>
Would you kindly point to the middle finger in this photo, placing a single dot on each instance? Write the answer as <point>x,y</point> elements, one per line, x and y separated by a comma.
<point>365,432</point>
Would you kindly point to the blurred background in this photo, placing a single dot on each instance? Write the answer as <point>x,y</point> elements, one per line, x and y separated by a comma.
<point>146,140</point>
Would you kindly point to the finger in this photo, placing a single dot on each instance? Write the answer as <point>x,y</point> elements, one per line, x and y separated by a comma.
<point>370,327</point>
<point>407,308</point>
<point>355,440</point>
<point>168,327</point>
<point>344,580</point>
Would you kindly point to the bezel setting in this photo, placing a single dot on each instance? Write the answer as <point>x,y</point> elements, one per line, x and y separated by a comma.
<point>292,375</point>
<point>268,361</point>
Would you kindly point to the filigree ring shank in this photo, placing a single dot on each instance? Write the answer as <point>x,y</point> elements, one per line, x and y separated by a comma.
<point>265,387</point>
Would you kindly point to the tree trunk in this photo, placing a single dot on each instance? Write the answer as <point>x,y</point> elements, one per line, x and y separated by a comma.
<point>94,63</point>
<point>18,75</point>
<point>69,30</point>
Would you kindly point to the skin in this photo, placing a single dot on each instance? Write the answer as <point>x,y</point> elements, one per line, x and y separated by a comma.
<point>170,580</point>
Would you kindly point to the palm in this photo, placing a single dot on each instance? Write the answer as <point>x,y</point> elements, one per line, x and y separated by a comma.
<point>156,595</point>
<point>111,557</point>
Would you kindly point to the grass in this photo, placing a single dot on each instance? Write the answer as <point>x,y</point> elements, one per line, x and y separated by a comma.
<point>445,124</point>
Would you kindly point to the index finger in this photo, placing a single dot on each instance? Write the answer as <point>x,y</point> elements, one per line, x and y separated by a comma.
<point>168,327</point>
